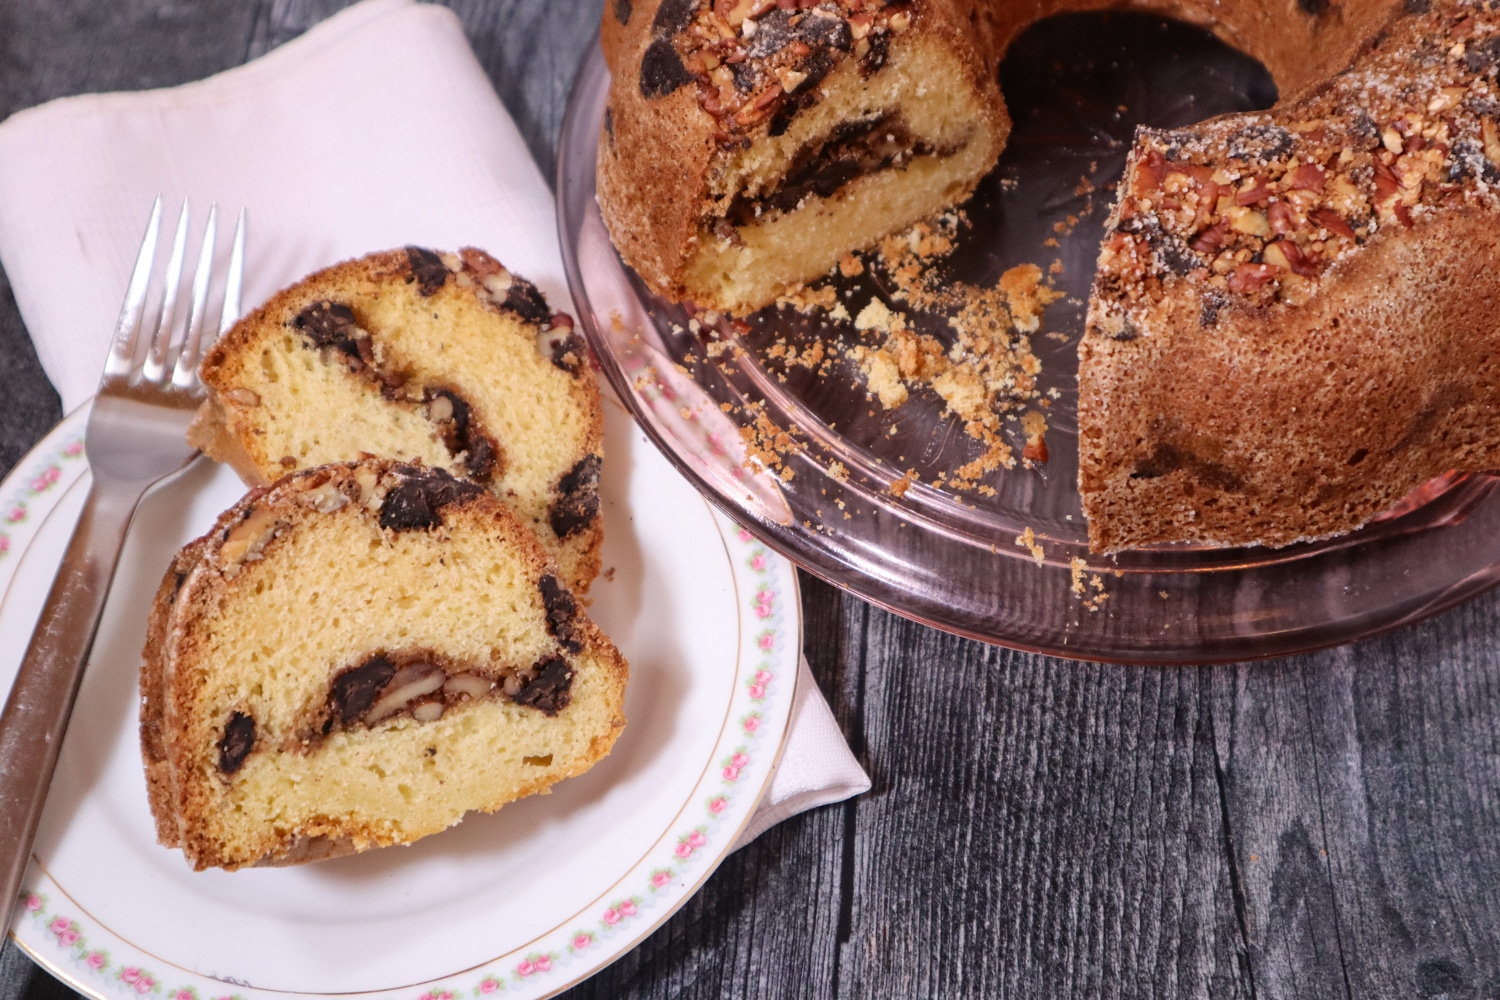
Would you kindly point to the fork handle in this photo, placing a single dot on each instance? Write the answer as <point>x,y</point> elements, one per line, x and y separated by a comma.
<point>36,714</point>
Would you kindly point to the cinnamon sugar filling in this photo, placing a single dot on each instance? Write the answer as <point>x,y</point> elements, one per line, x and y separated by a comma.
<point>852,150</point>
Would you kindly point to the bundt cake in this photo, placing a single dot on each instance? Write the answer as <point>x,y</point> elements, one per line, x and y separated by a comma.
<point>449,360</point>
<point>1296,314</point>
<point>357,656</point>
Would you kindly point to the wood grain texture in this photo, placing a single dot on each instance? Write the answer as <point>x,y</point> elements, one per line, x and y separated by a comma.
<point>1322,826</point>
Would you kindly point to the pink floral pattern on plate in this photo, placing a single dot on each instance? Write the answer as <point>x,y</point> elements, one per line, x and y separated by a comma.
<point>57,466</point>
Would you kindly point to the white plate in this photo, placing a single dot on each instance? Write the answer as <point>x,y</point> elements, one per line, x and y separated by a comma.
<point>522,903</point>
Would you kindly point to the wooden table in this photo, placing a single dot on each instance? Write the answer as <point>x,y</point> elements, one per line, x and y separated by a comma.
<point>1320,826</point>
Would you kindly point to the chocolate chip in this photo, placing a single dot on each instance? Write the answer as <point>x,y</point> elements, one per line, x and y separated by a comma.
<point>880,46</point>
<point>414,503</point>
<point>1260,143</point>
<point>744,75</point>
<point>1128,331</point>
<point>1209,315</point>
<point>671,17</point>
<point>560,607</point>
<point>238,741</point>
<point>356,689</point>
<point>1469,160</point>
<point>330,324</point>
<point>526,301</point>
<point>816,66</point>
<point>662,71</point>
<point>427,269</point>
<point>1418,6</point>
<point>773,33</point>
<point>1173,254</point>
<point>550,689</point>
<point>1315,8</point>
<point>568,352</point>
<point>1483,57</point>
<point>481,456</point>
<point>609,122</point>
<point>462,435</point>
<point>622,11</point>
<point>831,32</point>
<point>577,503</point>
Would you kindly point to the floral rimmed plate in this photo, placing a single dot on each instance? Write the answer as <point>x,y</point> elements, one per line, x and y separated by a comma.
<point>522,903</point>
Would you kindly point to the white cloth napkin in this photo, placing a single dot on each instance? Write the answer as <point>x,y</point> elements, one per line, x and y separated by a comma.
<point>337,153</point>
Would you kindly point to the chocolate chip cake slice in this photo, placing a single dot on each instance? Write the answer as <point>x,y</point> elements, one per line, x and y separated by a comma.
<point>358,656</point>
<point>449,360</point>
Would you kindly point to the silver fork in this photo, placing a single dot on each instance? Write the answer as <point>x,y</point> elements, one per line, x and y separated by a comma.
<point>134,439</point>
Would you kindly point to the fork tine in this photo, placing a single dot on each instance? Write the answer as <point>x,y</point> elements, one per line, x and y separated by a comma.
<point>185,372</point>
<point>236,275</point>
<point>122,348</point>
<point>155,363</point>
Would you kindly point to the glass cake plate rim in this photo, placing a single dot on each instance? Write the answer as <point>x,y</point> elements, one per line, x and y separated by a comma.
<point>1411,564</point>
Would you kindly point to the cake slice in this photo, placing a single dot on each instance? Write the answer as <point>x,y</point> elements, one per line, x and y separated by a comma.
<point>357,657</point>
<point>449,360</point>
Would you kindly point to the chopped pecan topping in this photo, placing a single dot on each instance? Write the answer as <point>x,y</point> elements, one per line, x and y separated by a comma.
<point>759,61</point>
<point>1258,210</point>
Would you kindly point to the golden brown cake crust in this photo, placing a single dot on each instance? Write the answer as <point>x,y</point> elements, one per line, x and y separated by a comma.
<point>255,545</point>
<point>1295,314</point>
<point>246,414</point>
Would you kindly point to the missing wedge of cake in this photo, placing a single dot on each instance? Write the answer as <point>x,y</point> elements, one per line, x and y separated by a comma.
<point>1295,319</point>
<point>356,657</point>
<point>446,359</point>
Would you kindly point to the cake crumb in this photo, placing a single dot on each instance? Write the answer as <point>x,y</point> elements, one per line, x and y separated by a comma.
<point>1027,540</point>
<point>1081,576</point>
<point>878,316</point>
<point>1077,566</point>
<point>1034,424</point>
<point>804,299</point>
